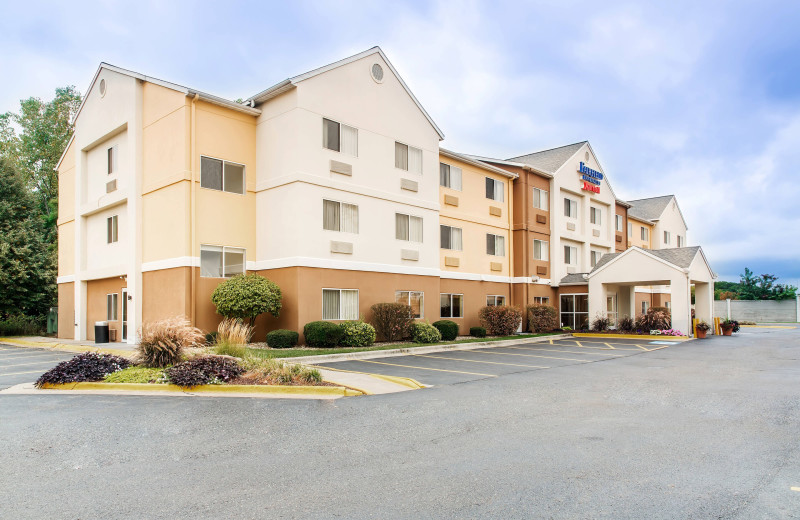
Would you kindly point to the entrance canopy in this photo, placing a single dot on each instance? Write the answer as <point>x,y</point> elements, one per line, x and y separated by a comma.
<point>680,268</point>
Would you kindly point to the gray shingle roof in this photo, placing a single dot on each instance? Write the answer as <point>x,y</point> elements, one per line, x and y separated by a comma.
<point>549,161</point>
<point>649,209</point>
<point>574,278</point>
<point>678,256</point>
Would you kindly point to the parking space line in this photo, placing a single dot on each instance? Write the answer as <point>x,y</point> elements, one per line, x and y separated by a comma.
<point>609,345</point>
<point>50,362</point>
<point>645,349</point>
<point>479,361</point>
<point>573,352</point>
<point>531,355</point>
<point>20,373</point>
<point>425,368</point>
<point>23,356</point>
<point>596,348</point>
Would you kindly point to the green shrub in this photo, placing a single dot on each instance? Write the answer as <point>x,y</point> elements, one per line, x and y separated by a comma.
<point>204,371</point>
<point>392,320</point>
<point>601,323</point>
<point>245,296</point>
<point>448,329</point>
<point>136,375</point>
<point>477,332</point>
<point>542,318</point>
<point>89,366</point>
<point>211,338</point>
<point>322,334</point>
<point>282,338</point>
<point>20,325</point>
<point>161,343</point>
<point>500,320</point>
<point>357,334</point>
<point>425,333</point>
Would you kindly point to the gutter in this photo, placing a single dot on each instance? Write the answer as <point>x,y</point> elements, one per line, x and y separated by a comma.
<point>193,208</point>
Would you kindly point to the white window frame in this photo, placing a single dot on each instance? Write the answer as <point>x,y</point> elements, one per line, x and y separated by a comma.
<point>339,144</point>
<point>573,255</point>
<point>224,162</point>
<point>399,294</point>
<point>630,229</point>
<point>446,178</point>
<point>341,221</point>
<point>645,306</point>
<point>498,189</point>
<point>667,237</point>
<point>574,313</point>
<point>111,159</point>
<point>570,208</point>
<point>595,257</point>
<point>541,300</point>
<point>409,217</point>
<point>451,304</point>
<point>408,157</point>
<point>543,199</point>
<point>112,229</point>
<point>451,228</point>
<point>493,252</point>
<point>645,233</point>
<point>340,318</point>
<point>112,304</point>
<point>681,241</point>
<point>224,250</point>
<point>595,216</point>
<point>544,250</point>
<point>618,221</point>
<point>494,298</point>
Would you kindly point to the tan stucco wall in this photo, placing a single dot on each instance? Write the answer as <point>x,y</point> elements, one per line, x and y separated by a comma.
<point>66,310</point>
<point>636,238</point>
<point>66,248</point>
<point>166,294</point>
<point>96,310</point>
<point>474,299</point>
<point>621,237</point>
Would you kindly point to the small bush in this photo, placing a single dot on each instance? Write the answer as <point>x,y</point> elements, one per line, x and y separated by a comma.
<point>392,320</point>
<point>656,318</point>
<point>161,343</point>
<point>601,323</point>
<point>232,330</point>
<point>500,320</point>
<point>20,325</point>
<point>357,334</point>
<point>136,375</point>
<point>322,334</point>
<point>282,338</point>
<point>425,333</point>
<point>477,332</point>
<point>245,296</point>
<point>448,329</point>
<point>626,324</point>
<point>89,366</point>
<point>204,371</point>
<point>542,318</point>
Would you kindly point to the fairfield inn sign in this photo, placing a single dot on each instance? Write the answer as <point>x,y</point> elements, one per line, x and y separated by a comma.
<point>591,178</point>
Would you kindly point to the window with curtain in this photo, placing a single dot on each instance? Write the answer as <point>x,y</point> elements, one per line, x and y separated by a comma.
<point>408,227</point>
<point>112,231</point>
<point>451,238</point>
<point>666,237</point>
<point>495,245</point>
<point>112,300</point>
<point>596,257</point>
<point>630,229</point>
<point>541,300</point>
<point>494,300</point>
<point>452,305</point>
<point>221,261</point>
<point>618,223</point>
<point>339,216</point>
<point>495,189</point>
<point>111,160</point>
<point>681,241</point>
<point>541,250</point>
<point>540,199</point>
<point>414,299</point>
<point>570,208</point>
<point>340,304</point>
<point>449,176</point>
<point>570,255</point>
<point>339,137</point>
<point>595,216</point>
<point>407,158</point>
<point>216,174</point>
<point>645,233</point>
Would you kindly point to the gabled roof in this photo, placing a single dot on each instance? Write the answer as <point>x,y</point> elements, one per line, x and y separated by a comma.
<point>651,208</point>
<point>550,160</point>
<point>490,160</point>
<point>574,278</point>
<point>290,83</point>
<point>469,160</point>
<point>678,257</point>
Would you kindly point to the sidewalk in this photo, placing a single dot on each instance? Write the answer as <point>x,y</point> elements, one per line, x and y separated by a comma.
<point>68,345</point>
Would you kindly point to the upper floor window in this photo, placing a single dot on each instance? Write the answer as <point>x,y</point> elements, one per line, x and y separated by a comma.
<point>666,237</point>
<point>408,227</point>
<point>540,199</point>
<point>495,189</point>
<point>645,233</point>
<point>540,250</point>
<point>595,216</point>
<point>570,208</point>
<point>407,158</point>
<point>339,216</point>
<point>681,241</point>
<point>618,223</point>
<point>339,304</point>
<point>112,159</point>
<point>596,257</point>
<point>495,245</point>
<point>216,174</point>
<point>449,176</point>
<point>630,229</point>
<point>339,137</point>
<point>451,237</point>
<point>570,255</point>
<point>495,300</point>
<point>112,229</point>
<point>414,299</point>
<point>221,261</point>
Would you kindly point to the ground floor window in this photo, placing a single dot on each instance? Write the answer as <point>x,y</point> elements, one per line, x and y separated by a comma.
<point>669,305</point>
<point>414,299</point>
<point>452,305</point>
<point>541,300</point>
<point>645,305</point>
<point>495,300</point>
<point>339,304</point>
<point>611,309</point>
<point>221,261</point>
<point>575,311</point>
<point>112,300</point>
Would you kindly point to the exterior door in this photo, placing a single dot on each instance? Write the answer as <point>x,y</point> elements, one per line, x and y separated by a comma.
<point>124,314</point>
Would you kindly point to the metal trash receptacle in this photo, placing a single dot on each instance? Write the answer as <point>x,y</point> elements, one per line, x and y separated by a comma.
<point>101,332</point>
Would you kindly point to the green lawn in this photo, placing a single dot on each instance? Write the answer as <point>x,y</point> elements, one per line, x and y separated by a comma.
<point>298,352</point>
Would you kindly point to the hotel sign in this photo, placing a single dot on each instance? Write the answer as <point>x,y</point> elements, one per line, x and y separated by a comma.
<point>591,178</point>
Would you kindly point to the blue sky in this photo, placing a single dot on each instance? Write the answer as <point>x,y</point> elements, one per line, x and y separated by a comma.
<point>699,99</point>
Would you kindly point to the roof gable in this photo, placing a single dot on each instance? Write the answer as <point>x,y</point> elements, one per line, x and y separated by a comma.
<point>679,258</point>
<point>550,160</point>
<point>651,208</point>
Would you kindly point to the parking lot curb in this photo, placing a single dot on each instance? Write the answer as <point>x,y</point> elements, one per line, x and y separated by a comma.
<point>648,337</point>
<point>64,347</point>
<point>228,389</point>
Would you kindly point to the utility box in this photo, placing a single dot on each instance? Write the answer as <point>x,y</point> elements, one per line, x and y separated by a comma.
<point>52,320</point>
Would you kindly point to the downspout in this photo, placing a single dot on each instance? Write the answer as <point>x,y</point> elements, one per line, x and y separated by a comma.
<point>526,267</point>
<point>511,244</point>
<point>193,210</point>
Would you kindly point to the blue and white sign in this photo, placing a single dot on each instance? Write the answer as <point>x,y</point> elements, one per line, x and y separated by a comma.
<point>591,178</point>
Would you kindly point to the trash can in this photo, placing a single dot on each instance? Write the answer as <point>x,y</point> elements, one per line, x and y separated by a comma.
<point>101,332</point>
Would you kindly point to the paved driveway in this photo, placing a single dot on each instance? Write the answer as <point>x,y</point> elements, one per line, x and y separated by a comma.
<point>23,365</point>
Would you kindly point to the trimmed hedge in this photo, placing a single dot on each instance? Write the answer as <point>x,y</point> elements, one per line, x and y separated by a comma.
<point>425,333</point>
<point>392,320</point>
<point>357,334</point>
<point>477,332</point>
<point>542,318</point>
<point>500,320</point>
<point>448,329</point>
<point>282,338</point>
<point>322,334</point>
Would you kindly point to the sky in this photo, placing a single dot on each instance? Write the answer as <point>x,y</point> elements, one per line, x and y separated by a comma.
<point>696,99</point>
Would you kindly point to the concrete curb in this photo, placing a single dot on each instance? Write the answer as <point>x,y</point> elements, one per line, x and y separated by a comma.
<point>355,356</point>
<point>64,347</point>
<point>648,337</point>
<point>226,389</point>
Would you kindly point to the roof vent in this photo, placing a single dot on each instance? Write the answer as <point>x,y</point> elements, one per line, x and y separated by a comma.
<point>587,157</point>
<point>377,72</point>
<point>102,87</point>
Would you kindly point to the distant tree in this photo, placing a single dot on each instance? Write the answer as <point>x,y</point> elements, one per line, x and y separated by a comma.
<point>759,287</point>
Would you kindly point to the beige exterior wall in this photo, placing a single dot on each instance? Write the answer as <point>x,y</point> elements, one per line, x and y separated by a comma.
<point>636,238</point>
<point>66,310</point>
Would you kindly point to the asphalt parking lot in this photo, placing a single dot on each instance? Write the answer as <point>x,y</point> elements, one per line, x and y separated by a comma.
<point>23,365</point>
<point>460,366</point>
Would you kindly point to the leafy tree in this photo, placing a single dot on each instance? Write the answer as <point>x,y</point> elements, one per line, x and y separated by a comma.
<point>754,287</point>
<point>246,296</point>
<point>27,263</point>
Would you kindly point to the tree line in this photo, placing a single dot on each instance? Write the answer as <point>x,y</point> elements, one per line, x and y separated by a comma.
<point>754,287</point>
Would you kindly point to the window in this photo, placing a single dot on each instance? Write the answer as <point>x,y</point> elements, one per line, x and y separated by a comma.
<point>339,137</point>
<point>221,261</point>
<point>630,229</point>
<point>112,228</point>
<point>221,175</point>
<point>668,305</point>
<point>541,250</point>
<point>408,227</point>
<point>452,305</point>
<point>645,305</point>
<point>495,190</point>
<point>339,216</point>
<point>618,223</point>
<point>570,208</point>
<point>339,304</point>
<point>575,311</point>
<point>112,300</point>
<point>407,158</point>
<point>645,233</point>
<point>414,299</point>
<point>449,176</point>
<point>112,160</point>
<point>541,300</point>
<point>596,257</point>
<point>681,241</point>
<point>451,238</point>
<point>540,199</point>
<point>495,245</point>
<point>611,309</point>
<point>666,237</point>
<point>595,216</point>
<point>570,255</point>
<point>493,300</point>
